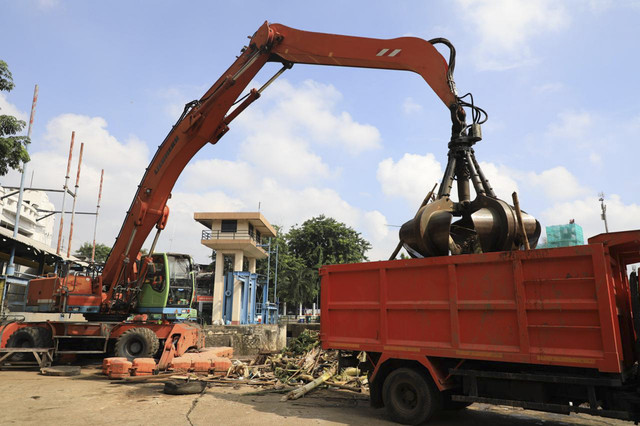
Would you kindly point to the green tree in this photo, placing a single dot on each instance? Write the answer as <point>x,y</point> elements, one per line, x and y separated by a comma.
<point>13,151</point>
<point>102,251</point>
<point>318,241</point>
<point>291,271</point>
<point>324,241</point>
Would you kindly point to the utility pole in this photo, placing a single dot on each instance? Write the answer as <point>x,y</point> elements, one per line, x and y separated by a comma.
<point>16,225</point>
<point>603,215</point>
<point>95,226</point>
<point>64,194</point>
<point>75,197</point>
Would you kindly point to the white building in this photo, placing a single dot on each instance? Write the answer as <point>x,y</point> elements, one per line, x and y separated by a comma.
<point>33,223</point>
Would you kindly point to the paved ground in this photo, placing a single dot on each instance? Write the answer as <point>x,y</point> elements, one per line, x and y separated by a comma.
<point>30,398</point>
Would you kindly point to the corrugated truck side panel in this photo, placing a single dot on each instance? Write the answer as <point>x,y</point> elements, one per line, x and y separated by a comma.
<point>553,306</point>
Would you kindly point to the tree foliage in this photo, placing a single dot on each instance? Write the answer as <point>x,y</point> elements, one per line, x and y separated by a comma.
<point>102,251</point>
<point>318,241</point>
<point>325,241</point>
<point>13,150</point>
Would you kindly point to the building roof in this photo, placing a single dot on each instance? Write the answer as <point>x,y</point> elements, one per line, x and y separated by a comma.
<point>28,249</point>
<point>255,218</point>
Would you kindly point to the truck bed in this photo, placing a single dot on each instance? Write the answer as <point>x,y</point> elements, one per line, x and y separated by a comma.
<point>566,306</point>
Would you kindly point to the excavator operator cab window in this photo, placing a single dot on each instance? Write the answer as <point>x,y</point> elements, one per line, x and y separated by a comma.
<point>180,281</point>
<point>156,274</point>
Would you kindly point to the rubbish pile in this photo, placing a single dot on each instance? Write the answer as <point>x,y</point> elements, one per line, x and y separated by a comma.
<point>299,368</point>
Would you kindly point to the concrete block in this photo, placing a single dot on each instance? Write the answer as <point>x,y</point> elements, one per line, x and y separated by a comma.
<point>248,339</point>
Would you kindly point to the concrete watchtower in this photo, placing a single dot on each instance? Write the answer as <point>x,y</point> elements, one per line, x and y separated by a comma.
<point>238,235</point>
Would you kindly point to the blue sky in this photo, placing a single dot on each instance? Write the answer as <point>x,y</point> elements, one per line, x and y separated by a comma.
<point>558,79</point>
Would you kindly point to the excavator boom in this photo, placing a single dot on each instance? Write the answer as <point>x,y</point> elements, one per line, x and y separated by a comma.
<point>207,119</point>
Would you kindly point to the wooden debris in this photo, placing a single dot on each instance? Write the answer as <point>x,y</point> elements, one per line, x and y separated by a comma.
<point>303,390</point>
<point>298,369</point>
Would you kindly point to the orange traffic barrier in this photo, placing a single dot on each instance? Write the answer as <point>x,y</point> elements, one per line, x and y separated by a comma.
<point>106,364</point>
<point>201,365</point>
<point>224,351</point>
<point>119,368</point>
<point>181,363</point>
<point>143,367</point>
<point>221,364</point>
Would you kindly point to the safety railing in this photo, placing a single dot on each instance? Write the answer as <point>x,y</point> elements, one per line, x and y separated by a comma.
<point>219,235</point>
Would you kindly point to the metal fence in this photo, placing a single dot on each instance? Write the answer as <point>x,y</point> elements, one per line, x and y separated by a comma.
<point>219,235</point>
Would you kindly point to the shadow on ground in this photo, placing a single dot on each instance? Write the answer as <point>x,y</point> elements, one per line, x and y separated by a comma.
<point>349,408</point>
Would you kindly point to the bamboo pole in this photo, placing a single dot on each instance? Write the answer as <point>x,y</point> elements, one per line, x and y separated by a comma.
<point>64,193</point>
<point>516,205</point>
<point>75,197</point>
<point>95,225</point>
<point>303,390</point>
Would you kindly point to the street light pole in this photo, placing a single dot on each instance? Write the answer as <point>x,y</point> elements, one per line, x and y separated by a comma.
<point>603,215</point>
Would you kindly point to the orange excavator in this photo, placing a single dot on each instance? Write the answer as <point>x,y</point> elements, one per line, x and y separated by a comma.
<point>109,299</point>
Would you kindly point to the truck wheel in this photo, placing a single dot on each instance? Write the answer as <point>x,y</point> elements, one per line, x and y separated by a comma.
<point>410,397</point>
<point>137,343</point>
<point>29,337</point>
<point>180,387</point>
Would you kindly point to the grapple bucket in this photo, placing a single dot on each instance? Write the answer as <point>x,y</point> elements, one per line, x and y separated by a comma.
<point>486,224</point>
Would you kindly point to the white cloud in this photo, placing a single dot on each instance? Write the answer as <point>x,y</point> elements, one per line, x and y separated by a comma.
<point>598,6</point>
<point>309,112</point>
<point>411,177</point>
<point>123,163</point>
<point>284,155</point>
<point>280,203</point>
<point>501,179</point>
<point>7,108</point>
<point>548,88</point>
<point>47,4</point>
<point>101,148</point>
<point>595,159</point>
<point>505,28</point>
<point>276,166</point>
<point>223,174</point>
<point>409,106</point>
<point>557,183</point>
<point>586,212</point>
<point>572,125</point>
<point>177,96</point>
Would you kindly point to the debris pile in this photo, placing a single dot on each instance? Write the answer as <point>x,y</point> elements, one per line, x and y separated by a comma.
<point>298,369</point>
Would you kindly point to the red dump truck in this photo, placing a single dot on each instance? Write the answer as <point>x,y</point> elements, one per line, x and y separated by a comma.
<point>549,329</point>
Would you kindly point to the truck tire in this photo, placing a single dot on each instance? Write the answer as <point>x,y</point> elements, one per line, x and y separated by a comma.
<point>409,397</point>
<point>29,337</point>
<point>181,387</point>
<point>137,343</point>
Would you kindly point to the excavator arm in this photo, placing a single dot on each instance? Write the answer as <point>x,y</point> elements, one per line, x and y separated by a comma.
<point>207,119</point>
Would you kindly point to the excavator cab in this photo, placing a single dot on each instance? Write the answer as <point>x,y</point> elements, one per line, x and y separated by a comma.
<point>168,288</point>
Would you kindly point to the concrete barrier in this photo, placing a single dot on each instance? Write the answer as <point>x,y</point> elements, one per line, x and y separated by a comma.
<point>250,339</point>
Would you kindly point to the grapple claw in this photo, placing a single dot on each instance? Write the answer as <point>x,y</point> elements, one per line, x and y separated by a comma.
<point>486,224</point>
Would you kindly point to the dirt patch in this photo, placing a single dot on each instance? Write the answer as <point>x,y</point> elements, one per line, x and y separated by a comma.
<point>30,398</point>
